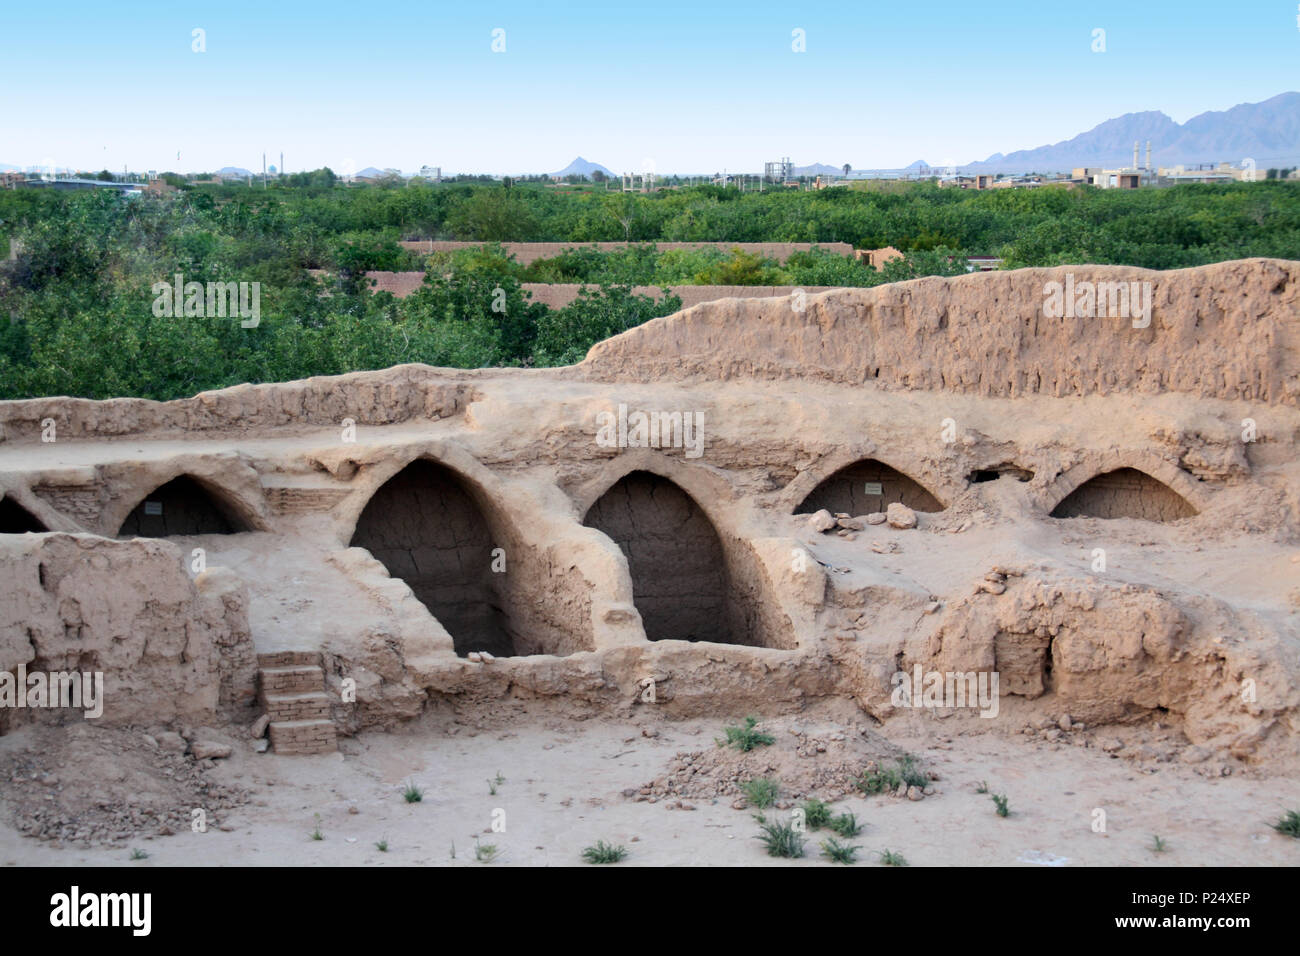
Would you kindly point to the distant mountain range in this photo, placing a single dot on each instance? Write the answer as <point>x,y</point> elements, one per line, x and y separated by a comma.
<point>1268,132</point>
<point>582,167</point>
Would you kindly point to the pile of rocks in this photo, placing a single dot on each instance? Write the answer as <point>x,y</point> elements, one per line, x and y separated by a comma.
<point>897,515</point>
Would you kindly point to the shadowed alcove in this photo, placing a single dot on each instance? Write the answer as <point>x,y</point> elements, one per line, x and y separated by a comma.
<point>182,506</point>
<point>868,486</point>
<point>1124,493</point>
<point>682,580</point>
<point>15,519</point>
<point>425,526</point>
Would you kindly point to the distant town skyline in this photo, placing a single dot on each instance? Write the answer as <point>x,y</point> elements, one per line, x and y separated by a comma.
<point>679,87</point>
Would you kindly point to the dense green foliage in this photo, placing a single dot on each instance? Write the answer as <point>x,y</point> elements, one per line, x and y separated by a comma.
<point>79,303</point>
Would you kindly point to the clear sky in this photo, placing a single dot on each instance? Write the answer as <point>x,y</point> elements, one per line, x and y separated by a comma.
<point>690,87</point>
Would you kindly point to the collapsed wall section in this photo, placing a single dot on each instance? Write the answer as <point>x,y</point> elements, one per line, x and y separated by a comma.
<point>168,647</point>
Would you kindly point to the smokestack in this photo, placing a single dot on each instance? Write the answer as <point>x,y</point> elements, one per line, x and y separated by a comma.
<point>1148,154</point>
<point>282,159</point>
<point>1135,154</point>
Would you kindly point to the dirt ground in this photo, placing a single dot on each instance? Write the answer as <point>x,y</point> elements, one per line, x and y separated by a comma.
<point>567,781</point>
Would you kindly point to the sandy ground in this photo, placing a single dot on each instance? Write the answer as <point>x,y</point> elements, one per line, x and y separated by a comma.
<point>563,790</point>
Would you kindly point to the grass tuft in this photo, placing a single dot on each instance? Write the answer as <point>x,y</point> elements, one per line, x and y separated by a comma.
<point>761,792</point>
<point>604,852</point>
<point>891,858</point>
<point>816,814</point>
<point>1000,801</point>
<point>838,852</point>
<point>412,793</point>
<point>846,825</point>
<point>1288,825</point>
<point>780,839</point>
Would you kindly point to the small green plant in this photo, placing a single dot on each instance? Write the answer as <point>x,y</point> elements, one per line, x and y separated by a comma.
<point>746,738</point>
<point>761,792</point>
<point>412,793</point>
<point>382,845</point>
<point>780,839</point>
<point>498,780</point>
<point>486,852</point>
<point>604,852</point>
<point>316,834</point>
<point>838,852</point>
<point>887,779</point>
<point>1158,845</point>
<point>891,858</point>
<point>1000,801</point>
<point>846,825</point>
<point>912,775</point>
<point>1289,825</point>
<point>816,814</point>
<point>138,854</point>
<point>983,787</point>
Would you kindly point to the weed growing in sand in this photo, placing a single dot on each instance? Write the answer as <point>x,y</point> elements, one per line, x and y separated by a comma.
<point>816,814</point>
<point>887,779</point>
<point>983,787</point>
<point>761,792</point>
<point>1289,825</point>
<point>780,839</point>
<point>485,852</point>
<point>846,825</point>
<point>891,858</point>
<point>412,793</point>
<point>138,854</point>
<point>1158,845</point>
<point>746,738</point>
<point>604,852</point>
<point>316,834</point>
<point>1000,801</point>
<point>382,845</point>
<point>838,852</point>
<point>495,782</point>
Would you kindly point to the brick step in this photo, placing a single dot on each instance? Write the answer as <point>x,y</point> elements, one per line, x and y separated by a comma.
<point>289,659</point>
<point>303,736</point>
<point>313,705</point>
<point>292,679</point>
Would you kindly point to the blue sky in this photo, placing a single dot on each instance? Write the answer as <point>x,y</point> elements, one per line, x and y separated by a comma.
<point>690,87</point>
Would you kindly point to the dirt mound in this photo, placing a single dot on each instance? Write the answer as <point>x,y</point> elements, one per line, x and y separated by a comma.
<point>819,759</point>
<point>86,784</point>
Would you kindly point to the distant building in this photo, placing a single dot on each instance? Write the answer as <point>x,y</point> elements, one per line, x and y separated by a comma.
<point>876,258</point>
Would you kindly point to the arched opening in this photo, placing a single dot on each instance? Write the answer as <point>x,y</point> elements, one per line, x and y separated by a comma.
<point>15,519</point>
<point>1124,493</point>
<point>425,527</point>
<point>868,486</point>
<point>680,581</point>
<point>182,506</point>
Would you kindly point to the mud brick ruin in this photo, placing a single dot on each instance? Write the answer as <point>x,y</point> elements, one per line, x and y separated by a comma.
<point>1103,514</point>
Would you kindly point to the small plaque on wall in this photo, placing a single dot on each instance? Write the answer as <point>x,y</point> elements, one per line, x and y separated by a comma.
<point>874,488</point>
<point>153,507</point>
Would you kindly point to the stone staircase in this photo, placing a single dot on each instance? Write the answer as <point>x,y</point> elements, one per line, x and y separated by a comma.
<point>291,688</point>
